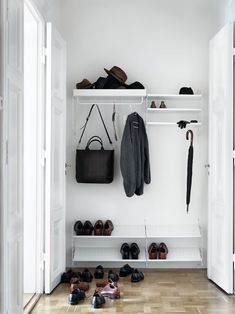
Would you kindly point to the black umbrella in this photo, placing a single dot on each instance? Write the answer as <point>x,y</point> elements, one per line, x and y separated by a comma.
<point>189,168</point>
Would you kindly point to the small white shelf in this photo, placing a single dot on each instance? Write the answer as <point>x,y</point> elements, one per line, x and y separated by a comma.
<point>107,254</point>
<point>120,231</point>
<point>175,97</point>
<point>167,110</point>
<point>179,255</point>
<point>173,231</point>
<point>172,123</point>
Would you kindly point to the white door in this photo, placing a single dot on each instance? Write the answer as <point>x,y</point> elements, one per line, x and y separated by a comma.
<point>55,158</point>
<point>13,163</point>
<point>220,219</point>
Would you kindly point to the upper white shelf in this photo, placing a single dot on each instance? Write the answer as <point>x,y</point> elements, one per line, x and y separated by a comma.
<point>175,96</point>
<point>109,93</point>
<point>173,231</point>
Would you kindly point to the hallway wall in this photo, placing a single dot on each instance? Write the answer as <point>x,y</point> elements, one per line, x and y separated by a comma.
<point>165,46</point>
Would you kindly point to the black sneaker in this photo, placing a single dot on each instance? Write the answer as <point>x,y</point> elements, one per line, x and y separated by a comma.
<point>113,276</point>
<point>98,300</point>
<point>87,275</point>
<point>137,276</point>
<point>126,270</point>
<point>99,272</point>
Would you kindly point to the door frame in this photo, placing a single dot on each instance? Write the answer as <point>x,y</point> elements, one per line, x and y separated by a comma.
<point>40,146</point>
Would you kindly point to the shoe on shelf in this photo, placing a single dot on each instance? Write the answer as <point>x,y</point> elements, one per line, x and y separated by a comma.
<point>98,300</point>
<point>98,228</point>
<point>87,275</point>
<point>112,276</point>
<point>126,270</point>
<point>163,251</point>
<point>137,276</point>
<point>134,250</point>
<point>110,291</point>
<point>125,251</point>
<point>99,272</point>
<point>87,228</point>
<point>153,251</point>
<point>66,277</point>
<point>78,227</point>
<point>108,228</point>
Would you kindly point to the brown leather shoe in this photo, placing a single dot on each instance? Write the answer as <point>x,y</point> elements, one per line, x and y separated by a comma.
<point>73,287</point>
<point>83,286</point>
<point>103,283</point>
<point>111,291</point>
<point>108,228</point>
<point>153,251</point>
<point>98,228</point>
<point>163,251</point>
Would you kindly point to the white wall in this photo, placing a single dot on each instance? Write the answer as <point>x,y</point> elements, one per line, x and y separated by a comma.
<point>163,44</point>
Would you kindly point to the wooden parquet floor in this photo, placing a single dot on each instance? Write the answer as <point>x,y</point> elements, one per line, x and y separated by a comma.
<point>161,292</point>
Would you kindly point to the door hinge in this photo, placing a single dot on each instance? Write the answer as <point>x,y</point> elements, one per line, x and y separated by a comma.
<point>6,152</point>
<point>233,257</point>
<point>43,158</point>
<point>1,103</point>
<point>233,158</point>
<point>44,54</point>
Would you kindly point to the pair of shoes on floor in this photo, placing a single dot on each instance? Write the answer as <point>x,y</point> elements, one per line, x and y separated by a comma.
<point>104,229</point>
<point>85,276</point>
<point>75,296</point>
<point>158,252</point>
<point>110,291</point>
<point>130,251</point>
<point>83,229</point>
<point>66,276</point>
<point>127,270</point>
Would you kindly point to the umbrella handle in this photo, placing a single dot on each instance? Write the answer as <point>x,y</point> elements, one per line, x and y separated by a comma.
<point>187,136</point>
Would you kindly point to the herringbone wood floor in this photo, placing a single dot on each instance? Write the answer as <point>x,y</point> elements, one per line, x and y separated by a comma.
<point>168,291</point>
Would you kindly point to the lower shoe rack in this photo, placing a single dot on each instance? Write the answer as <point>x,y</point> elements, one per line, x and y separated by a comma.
<point>184,244</point>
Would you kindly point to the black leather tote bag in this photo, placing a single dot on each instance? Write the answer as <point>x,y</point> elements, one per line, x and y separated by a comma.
<point>94,166</point>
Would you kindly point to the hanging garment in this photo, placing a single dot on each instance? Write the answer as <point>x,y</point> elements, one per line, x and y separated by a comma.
<point>135,165</point>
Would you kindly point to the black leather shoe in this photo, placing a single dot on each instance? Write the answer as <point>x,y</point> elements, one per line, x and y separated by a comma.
<point>125,251</point>
<point>66,277</point>
<point>87,275</point>
<point>73,298</point>
<point>98,300</point>
<point>113,276</point>
<point>87,228</point>
<point>135,251</point>
<point>99,272</point>
<point>126,270</point>
<point>78,227</point>
<point>81,294</point>
<point>137,276</point>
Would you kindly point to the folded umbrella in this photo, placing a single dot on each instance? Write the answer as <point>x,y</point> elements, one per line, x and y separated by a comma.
<point>189,168</point>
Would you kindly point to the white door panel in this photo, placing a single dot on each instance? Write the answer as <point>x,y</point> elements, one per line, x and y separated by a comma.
<point>220,219</point>
<point>55,162</point>
<point>13,168</point>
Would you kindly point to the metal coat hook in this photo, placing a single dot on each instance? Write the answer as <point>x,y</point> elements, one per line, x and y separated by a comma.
<point>187,136</point>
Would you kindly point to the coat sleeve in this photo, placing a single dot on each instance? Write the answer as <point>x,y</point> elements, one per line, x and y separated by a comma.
<point>147,172</point>
<point>127,161</point>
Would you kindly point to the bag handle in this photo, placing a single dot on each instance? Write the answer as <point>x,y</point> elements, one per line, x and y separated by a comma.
<point>87,119</point>
<point>94,140</point>
<point>95,137</point>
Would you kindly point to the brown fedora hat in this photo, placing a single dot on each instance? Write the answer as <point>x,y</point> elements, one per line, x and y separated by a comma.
<point>84,84</point>
<point>117,73</point>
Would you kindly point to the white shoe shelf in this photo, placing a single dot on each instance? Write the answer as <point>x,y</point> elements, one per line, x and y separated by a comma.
<point>183,241</point>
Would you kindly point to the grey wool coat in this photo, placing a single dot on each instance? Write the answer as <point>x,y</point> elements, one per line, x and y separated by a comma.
<point>135,165</point>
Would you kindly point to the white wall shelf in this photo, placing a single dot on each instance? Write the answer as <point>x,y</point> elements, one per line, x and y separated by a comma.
<point>170,110</point>
<point>174,97</point>
<point>179,255</point>
<point>171,123</point>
